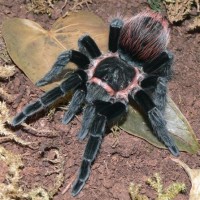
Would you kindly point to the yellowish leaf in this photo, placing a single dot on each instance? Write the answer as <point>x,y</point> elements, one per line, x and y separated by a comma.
<point>34,49</point>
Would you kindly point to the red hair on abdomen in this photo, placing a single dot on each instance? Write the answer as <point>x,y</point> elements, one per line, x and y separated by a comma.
<point>144,36</point>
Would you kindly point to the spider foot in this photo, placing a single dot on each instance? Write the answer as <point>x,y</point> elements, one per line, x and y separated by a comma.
<point>159,127</point>
<point>96,133</point>
<point>74,81</point>
<point>157,122</point>
<point>83,176</point>
<point>106,112</point>
<point>75,105</point>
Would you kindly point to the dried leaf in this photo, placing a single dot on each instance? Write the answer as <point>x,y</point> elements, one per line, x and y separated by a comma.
<point>198,5</point>
<point>195,24</point>
<point>7,134</point>
<point>78,4</point>
<point>47,6</point>
<point>41,6</point>
<point>7,71</point>
<point>34,50</point>
<point>156,184</point>
<point>177,125</point>
<point>11,188</point>
<point>194,175</point>
<point>177,9</point>
<point>134,191</point>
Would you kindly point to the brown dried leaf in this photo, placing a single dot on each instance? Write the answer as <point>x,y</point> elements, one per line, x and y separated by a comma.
<point>7,71</point>
<point>4,95</point>
<point>41,6</point>
<point>195,24</point>
<point>34,49</point>
<point>5,133</point>
<point>178,9</point>
<point>194,175</point>
<point>11,188</point>
<point>198,5</point>
<point>78,4</point>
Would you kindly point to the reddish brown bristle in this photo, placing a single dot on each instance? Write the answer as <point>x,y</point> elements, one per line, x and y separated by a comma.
<point>144,36</point>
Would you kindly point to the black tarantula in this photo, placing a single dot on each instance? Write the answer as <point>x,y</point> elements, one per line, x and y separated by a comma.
<point>136,67</point>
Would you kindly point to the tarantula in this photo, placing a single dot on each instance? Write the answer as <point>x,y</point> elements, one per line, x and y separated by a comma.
<point>136,67</point>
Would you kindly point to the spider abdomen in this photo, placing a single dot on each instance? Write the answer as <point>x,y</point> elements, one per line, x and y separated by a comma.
<point>144,36</point>
<point>115,72</point>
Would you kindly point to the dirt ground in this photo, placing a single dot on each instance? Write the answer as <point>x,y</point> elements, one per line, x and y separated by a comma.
<point>132,159</point>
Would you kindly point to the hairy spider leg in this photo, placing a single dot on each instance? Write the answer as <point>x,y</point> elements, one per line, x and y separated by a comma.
<point>106,112</point>
<point>156,120</point>
<point>115,28</point>
<point>76,79</point>
<point>88,117</point>
<point>160,66</point>
<point>156,87</point>
<point>75,105</point>
<point>159,73</point>
<point>76,57</point>
<point>94,93</point>
<point>88,46</point>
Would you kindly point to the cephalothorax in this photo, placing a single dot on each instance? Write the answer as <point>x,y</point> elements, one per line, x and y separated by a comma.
<point>136,67</point>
